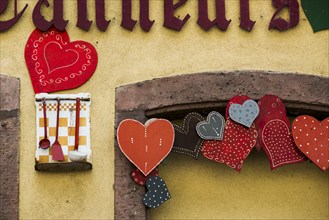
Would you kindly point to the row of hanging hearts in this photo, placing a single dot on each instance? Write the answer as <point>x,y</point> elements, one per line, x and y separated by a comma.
<point>248,124</point>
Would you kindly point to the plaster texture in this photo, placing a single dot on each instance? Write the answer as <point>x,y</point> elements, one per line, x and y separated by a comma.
<point>128,57</point>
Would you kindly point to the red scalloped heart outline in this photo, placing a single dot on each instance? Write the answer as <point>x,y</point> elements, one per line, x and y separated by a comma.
<point>55,63</point>
<point>312,138</point>
<point>235,147</point>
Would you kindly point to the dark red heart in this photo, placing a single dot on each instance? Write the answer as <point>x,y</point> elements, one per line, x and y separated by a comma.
<point>139,177</point>
<point>236,145</point>
<point>55,63</point>
<point>278,144</point>
<point>271,107</point>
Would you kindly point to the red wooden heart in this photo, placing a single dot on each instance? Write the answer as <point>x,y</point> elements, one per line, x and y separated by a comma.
<point>140,179</point>
<point>236,145</point>
<point>312,138</point>
<point>278,144</point>
<point>55,63</point>
<point>271,107</point>
<point>145,146</point>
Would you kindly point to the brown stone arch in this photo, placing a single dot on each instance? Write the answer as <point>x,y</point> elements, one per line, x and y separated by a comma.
<point>172,97</point>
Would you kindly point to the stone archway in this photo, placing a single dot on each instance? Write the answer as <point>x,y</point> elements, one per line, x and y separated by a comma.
<point>9,146</point>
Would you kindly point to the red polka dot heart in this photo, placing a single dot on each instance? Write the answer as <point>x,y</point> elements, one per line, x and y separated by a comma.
<point>312,138</point>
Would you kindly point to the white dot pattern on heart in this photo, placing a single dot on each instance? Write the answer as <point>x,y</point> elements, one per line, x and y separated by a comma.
<point>236,145</point>
<point>313,139</point>
<point>279,145</point>
<point>157,192</point>
<point>140,179</point>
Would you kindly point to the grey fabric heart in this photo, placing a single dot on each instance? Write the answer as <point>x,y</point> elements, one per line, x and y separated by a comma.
<point>212,129</point>
<point>244,114</point>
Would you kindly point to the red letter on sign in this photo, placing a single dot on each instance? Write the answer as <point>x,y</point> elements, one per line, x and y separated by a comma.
<point>245,22</point>
<point>5,25</point>
<point>129,23</point>
<point>101,23</point>
<point>170,21</point>
<point>281,24</point>
<point>221,22</point>
<point>83,21</point>
<point>42,24</point>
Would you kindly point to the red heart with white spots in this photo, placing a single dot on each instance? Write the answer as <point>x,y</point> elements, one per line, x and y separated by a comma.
<point>139,177</point>
<point>278,144</point>
<point>271,107</point>
<point>55,63</point>
<point>312,138</point>
<point>236,145</point>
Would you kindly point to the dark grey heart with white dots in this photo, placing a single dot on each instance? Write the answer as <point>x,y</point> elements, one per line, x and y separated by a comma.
<point>157,192</point>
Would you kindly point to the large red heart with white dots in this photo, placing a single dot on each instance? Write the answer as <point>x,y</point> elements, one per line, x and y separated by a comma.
<point>312,138</point>
<point>55,63</point>
<point>236,145</point>
<point>278,144</point>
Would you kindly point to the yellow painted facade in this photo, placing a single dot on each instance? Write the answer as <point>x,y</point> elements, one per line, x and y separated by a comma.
<point>200,189</point>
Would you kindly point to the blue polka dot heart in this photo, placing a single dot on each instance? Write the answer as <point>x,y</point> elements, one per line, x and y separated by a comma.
<point>157,192</point>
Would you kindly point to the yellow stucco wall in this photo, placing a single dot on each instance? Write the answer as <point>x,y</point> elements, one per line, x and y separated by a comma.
<point>200,189</point>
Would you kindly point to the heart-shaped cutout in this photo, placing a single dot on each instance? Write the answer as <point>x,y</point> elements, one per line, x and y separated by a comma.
<point>271,107</point>
<point>234,148</point>
<point>238,99</point>
<point>317,13</point>
<point>55,63</point>
<point>278,144</point>
<point>244,114</point>
<point>157,192</point>
<point>212,128</point>
<point>145,146</point>
<point>312,138</point>
<point>140,179</point>
<point>187,140</point>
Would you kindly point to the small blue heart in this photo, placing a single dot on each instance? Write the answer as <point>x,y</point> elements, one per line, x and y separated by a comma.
<point>244,114</point>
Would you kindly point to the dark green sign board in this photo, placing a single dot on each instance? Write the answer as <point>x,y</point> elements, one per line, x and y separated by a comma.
<point>317,13</point>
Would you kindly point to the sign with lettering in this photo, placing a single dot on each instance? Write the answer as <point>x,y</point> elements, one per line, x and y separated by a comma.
<point>170,20</point>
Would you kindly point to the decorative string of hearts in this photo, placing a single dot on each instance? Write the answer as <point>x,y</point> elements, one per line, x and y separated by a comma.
<point>147,145</point>
<point>312,138</point>
<point>55,63</point>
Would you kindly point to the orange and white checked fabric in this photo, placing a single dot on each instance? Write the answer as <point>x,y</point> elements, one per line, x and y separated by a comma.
<point>66,128</point>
